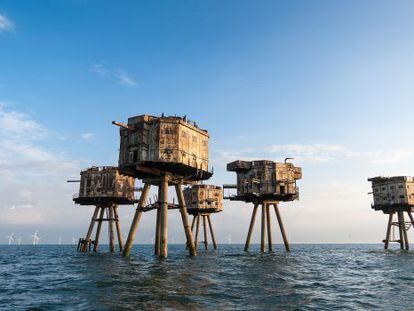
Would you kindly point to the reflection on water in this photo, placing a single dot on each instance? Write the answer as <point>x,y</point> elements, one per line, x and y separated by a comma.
<point>311,277</point>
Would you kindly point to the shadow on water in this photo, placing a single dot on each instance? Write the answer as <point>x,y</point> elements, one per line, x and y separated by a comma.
<point>311,277</point>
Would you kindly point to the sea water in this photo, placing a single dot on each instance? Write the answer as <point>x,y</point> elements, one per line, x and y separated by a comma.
<point>310,277</point>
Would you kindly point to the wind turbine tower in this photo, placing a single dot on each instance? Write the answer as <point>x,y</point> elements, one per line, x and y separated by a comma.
<point>35,238</point>
<point>10,238</point>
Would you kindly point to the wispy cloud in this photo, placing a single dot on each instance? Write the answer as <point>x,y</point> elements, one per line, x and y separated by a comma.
<point>100,70</point>
<point>18,124</point>
<point>5,23</point>
<point>87,136</point>
<point>311,152</point>
<point>32,174</point>
<point>315,153</point>
<point>124,78</point>
<point>322,153</point>
<point>118,75</point>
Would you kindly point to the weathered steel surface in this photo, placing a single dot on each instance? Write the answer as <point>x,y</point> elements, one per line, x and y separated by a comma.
<point>152,146</point>
<point>203,199</point>
<point>105,185</point>
<point>393,194</point>
<point>135,221</point>
<point>265,180</point>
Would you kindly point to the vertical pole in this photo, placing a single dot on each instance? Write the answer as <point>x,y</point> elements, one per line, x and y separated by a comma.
<point>111,228</point>
<point>184,218</point>
<point>205,232</point>
<point>407,245</point>
<point>197,230</point>
<point>98,229</point>
<point>400,229</point>
<point>118,228</point>
<point>164,218</point>
<point>135,221</point>
<point>193,223</point>
<point>212,232</point>
<point>157,230</point>
<point>282,229</point>
<point>269,228</point>
<point>263,229</point>
<point>387,236</point>
<point>90,229</point>
<point>249,234</point>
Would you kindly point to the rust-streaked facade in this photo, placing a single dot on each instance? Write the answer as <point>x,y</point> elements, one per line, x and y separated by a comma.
<point>151,146</point>
<point>100,185</point>
<point>392,192</point>
<point>105,188</point>
<point>201,201</point>
<point>394,196</point>
<point>204,199</point>
<point>265,180</point>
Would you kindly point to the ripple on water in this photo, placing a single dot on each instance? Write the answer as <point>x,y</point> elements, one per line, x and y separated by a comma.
<point>312,277</point>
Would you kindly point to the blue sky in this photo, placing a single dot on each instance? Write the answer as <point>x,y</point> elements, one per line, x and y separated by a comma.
<point>327,82</point>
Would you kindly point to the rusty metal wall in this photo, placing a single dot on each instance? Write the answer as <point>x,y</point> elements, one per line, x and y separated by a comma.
<point>204,197</point>
<point>393,190</point>
<point>106,182</point>
<point>265,177</point>
<point>163,139</point>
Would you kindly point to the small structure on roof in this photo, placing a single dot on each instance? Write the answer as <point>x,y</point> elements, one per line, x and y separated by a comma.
<point>201,201</point>
<point>105,188</point>
<point>265,183</point>
<point>394,196</point>
<point>163,151</point>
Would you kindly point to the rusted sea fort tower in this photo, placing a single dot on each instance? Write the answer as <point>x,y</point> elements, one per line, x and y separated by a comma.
<point>265,183</point>
<point>202,201</point>
<point>394,196</point>
<point>105,188</point>
<point>163,151</point>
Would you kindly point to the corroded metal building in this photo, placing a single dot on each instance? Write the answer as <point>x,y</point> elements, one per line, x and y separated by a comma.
<point>100,185</point>
<point>258,180</point>
<point>105,188</point>
<point>151,146</point>
<point>201,201</point>
<point>392,192</point>
<point>204,198</point>
<point>394,196</point>
<point>163,151</point>
<point>265,183</point>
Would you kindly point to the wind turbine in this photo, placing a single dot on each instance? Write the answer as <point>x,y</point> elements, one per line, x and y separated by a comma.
<point>35,237</point>
<point>10,237</point>
<point>74,240</point>
<point>60,240</point>
<point>19,241</point>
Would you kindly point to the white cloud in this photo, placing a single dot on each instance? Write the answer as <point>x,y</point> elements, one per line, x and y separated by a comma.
<point>310,152</point>
<point>32,174</point>
<point>5,23</point>
<point>13,123</point>
<point>13,207</point>
<point>124,78</point>
<point>87,136</point>
<point>121,76</point>
<point>323,153</point>
<point>100,70</point>
<point>381,156</point>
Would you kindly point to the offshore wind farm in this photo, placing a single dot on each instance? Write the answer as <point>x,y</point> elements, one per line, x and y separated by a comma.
<point>231,155</point>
